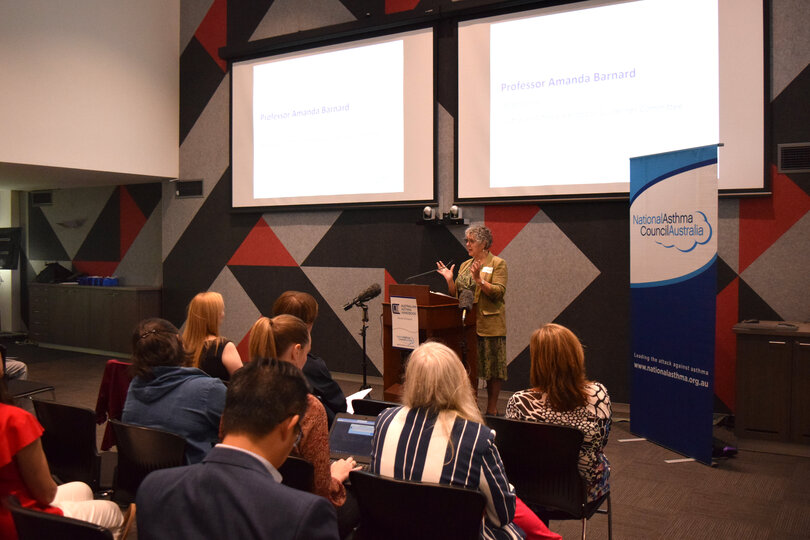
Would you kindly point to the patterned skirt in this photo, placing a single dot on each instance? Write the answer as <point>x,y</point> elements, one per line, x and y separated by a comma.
<point>492,357</point>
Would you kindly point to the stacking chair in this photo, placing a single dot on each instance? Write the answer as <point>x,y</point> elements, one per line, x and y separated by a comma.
<point>400,509</point>
<point>371,407</point>
<point>36,525</point>
<point>297,473</point>
<point>69,442</point>
<point>142,450</point>
<point>541,461</point>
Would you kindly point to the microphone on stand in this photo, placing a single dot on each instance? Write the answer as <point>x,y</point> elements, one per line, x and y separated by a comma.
<point>372,291</point>
<point>465,302</point>
<point>447,264</point>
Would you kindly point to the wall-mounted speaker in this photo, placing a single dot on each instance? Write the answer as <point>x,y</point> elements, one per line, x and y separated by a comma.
<point>41,198</point>
<point>793,157</point>
<point>184,189</point>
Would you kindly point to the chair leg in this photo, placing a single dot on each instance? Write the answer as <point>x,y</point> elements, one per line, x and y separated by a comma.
<point>584,525</point>
<point>610,518</point>
<point>129,518</point>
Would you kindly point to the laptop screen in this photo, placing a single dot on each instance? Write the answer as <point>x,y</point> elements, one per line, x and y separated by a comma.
<point>351,436</point>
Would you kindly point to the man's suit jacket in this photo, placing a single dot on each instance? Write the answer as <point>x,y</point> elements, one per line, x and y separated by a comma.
<point>229,495</point>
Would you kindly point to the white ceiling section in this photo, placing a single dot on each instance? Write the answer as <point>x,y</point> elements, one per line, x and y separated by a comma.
<point>91,87</point>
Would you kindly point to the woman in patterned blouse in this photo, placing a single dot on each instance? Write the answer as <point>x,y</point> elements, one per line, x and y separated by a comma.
<point>562,395</point>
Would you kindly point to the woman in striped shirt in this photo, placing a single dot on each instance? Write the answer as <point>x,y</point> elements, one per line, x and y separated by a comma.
<point>438,436</point>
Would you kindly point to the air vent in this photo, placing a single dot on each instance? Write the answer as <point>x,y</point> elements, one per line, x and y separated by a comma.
<point>41,198</point>
<point>185,189</point>
<point>794,157</point>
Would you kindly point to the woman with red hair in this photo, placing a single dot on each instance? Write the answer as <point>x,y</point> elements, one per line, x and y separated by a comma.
<point>561,394</point>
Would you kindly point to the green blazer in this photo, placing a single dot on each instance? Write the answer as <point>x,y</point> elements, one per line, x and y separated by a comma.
<point>491,313</point>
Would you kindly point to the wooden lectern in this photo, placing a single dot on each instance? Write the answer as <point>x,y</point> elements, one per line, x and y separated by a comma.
<point>439,320</point>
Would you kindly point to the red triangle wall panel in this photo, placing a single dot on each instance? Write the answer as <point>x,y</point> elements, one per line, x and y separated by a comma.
<point>262,248</point>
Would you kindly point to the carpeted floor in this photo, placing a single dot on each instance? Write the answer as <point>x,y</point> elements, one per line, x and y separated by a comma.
<point>753,495</point>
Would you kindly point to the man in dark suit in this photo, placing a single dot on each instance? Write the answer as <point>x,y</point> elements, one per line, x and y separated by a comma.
<point>236,491</point>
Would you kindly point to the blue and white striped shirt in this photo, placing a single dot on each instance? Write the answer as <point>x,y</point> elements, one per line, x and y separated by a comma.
<point>419,445</point>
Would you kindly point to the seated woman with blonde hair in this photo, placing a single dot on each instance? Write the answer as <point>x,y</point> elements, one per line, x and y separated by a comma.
<point>439,436</point>
<point>562,395</point>
<point>24,473</point>
<point>287,338</point>
<point>206,349</point>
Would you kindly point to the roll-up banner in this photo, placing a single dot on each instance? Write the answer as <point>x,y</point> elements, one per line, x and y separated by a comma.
<point>673,284</point>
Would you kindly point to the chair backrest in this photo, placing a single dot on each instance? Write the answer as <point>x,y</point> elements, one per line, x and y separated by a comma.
<point>541,461</point>
<point>399,509</point>
<point>69,441</point>
<point>297,473</point>
<point>142,450</point>
<point>371,407</point>
<point>36,525</point>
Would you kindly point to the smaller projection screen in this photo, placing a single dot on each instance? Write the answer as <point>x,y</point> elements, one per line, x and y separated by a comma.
<point>346,124</point>
<point>554,102</point>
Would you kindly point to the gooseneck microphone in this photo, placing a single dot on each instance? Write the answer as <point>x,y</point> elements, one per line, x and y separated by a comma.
<point>372,291</point>
<point>465,302</point>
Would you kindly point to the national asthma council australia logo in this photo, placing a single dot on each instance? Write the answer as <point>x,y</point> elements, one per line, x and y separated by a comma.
<point>681,231</point>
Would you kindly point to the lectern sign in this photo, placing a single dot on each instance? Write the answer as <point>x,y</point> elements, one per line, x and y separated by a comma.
<point>404,323</point>
<point>673,280</point>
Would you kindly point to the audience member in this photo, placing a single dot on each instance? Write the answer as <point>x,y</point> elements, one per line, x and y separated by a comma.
<point>438,436</point>
<point>166,395</point>
<point>24,473</point>
<point>206,349</point>
<point>236,491</point>
<point>16,369</point>
<point>287,338</point>
<point>561,394</point>
<point>305,307</point>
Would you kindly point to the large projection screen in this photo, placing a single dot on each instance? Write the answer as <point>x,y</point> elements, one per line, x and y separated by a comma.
<point>348,124</point>
<point>553,102</point>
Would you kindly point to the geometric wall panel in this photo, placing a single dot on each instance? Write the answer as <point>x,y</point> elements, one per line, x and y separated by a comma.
<point>330,338</point>
<point>43,243</point>
<point>212,32</point>
<point>199,255</point>
<point>103,242</point>
<point>599,315</point>
<point>725,363</point>
<point>192,12</point>
<point>200,76</point>
<point>300,232</point>
<point>546,273</point>
<point>204,154</point>
<point>290,16</point>
<point>781,275</point>
<point>728,232</point>
<point>506,222</point>
<point>339,286</point>
<point>73,213</point>
<point>101,231</point>
<point>764,219</point>
<point>791,33</point>
<point>752,306</point>
<point>262,248</point>
<point>240,311</point>
<point>141,264</point>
